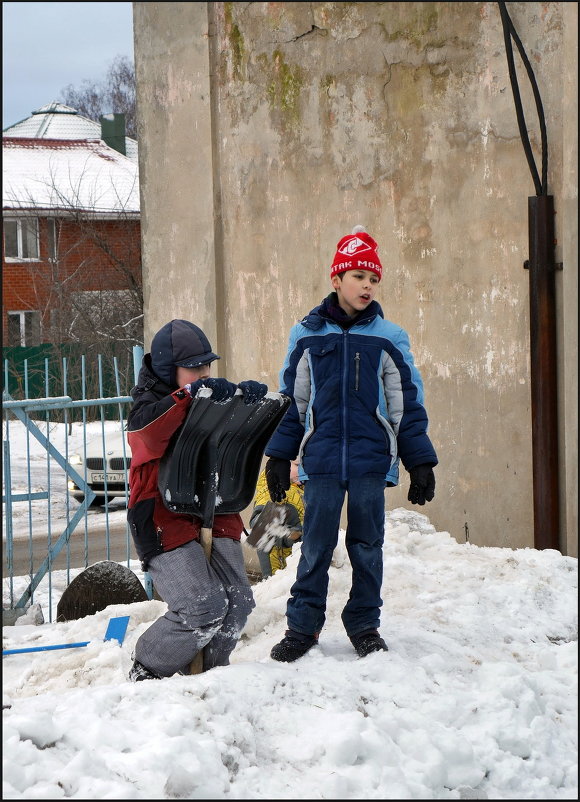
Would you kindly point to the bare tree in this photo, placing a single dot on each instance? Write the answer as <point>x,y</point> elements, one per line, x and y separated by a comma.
<point>89,290</point>
<point>115,94</point>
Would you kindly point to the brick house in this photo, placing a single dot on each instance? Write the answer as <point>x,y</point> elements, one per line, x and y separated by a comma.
<point>71,260</point>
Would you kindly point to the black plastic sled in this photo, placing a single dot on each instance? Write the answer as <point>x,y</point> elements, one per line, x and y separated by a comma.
<point>212,464</point>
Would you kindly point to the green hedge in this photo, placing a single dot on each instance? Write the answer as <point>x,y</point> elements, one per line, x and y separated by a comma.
<point>53,370</point>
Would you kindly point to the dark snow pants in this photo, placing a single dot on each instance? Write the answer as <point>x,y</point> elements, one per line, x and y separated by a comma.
<point>323,500</point>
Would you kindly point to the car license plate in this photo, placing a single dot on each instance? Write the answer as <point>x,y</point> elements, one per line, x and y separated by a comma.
<point>109,477</point>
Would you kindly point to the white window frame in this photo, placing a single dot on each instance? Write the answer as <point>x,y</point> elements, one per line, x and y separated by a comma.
<point>21,222</point>
<point>22,325</point>
<point>51,242</point>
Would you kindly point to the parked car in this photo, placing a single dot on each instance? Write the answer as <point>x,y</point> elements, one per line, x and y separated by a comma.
<point>107,473</point>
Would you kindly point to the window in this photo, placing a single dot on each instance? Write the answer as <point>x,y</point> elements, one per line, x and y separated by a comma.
<point>51,226</point>
<point>23,328</point>
<point>21,238</point>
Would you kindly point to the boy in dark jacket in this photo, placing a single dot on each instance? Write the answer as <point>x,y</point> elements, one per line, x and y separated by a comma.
<point>357,409</point>
<point>208,602</point>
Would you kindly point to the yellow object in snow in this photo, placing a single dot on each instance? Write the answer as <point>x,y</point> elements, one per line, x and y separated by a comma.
<point>295,497</point>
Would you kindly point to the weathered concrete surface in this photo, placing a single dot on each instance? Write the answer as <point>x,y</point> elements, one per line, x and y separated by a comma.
<point>176,170</point>
<point>267,130</point>
<point>567,233</point>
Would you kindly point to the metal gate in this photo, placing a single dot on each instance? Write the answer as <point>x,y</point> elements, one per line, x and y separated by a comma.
<point>56,516</point>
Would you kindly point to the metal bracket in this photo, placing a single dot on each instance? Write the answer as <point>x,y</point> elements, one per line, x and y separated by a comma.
<point>557,265</point>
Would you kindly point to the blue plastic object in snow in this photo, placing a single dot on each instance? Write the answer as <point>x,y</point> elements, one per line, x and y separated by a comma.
<point>115,631</point>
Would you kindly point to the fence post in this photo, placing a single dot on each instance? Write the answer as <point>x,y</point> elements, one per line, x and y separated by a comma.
<point>137,360</point>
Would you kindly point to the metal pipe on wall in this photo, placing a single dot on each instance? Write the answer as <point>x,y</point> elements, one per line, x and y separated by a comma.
<point>543,355</point>
<point>543,358</point>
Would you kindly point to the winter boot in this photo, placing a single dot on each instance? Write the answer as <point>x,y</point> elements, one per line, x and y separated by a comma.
<point>293,646</point>
<point>367,642</point>
<point>138,672</point>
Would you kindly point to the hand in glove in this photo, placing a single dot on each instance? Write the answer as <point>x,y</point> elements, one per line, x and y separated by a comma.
<point>278,477</point>
<point>253,391</point>
<point>222,389</point>
<point>422,487</point>
<point>191,389</point>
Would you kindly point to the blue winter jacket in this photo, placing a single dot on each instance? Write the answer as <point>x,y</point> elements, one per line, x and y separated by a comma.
<point>357,398</point>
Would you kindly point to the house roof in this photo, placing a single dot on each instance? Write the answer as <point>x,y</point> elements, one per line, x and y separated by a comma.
<point>59,174</point>
<point>57,121</point>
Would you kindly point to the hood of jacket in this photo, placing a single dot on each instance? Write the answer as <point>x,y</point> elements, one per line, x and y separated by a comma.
<point>148,379</point>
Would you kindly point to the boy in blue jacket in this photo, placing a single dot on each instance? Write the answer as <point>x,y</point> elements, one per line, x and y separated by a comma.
<point>357,409</point>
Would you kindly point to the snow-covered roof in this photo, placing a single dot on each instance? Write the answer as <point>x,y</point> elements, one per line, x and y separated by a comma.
<point>57,121</point>
<point>56,175</point>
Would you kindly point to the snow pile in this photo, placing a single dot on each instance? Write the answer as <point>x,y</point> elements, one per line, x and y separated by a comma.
<point>475,699</point>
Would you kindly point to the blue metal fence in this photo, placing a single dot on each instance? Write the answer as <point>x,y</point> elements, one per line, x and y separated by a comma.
<point>54,517</point>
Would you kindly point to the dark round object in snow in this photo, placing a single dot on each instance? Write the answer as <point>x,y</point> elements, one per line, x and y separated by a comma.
<point>97,587</point>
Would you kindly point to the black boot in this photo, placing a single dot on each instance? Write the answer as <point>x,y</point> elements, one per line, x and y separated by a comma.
<point>293,646</point>
<point>138,672</point>
<point>367,642</point>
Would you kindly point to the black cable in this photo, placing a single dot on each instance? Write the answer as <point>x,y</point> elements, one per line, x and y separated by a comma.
<point>509,31</point>
<point>539,107</point>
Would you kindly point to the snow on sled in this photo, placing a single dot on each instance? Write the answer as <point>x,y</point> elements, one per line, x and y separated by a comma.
<point>269,527</point>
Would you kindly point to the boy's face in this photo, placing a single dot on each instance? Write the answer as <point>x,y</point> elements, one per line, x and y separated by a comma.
<point>185,376</point>
<point>355,289</point>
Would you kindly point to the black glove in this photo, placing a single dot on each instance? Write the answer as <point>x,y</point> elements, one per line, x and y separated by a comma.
<point>253,391</point>
<point>422,487</point>
<point>221,389</point>
<point>278,478</point>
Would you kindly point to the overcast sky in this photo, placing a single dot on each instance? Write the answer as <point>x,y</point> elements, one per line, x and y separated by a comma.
<point>47,46</point>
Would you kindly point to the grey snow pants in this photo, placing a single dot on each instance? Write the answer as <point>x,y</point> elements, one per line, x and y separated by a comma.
<point>208,606</point>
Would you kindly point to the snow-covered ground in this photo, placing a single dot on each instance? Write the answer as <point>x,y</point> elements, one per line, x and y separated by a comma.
<point>475,699</point>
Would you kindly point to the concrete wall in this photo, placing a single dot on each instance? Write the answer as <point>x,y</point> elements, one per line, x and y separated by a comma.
<point>268,130</point>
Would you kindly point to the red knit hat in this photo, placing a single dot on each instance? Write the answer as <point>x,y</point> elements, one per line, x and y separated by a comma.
<point>357,251</point>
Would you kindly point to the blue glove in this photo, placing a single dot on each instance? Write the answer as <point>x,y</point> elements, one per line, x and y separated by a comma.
<point>222,389</point>
<point>253,391</point>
